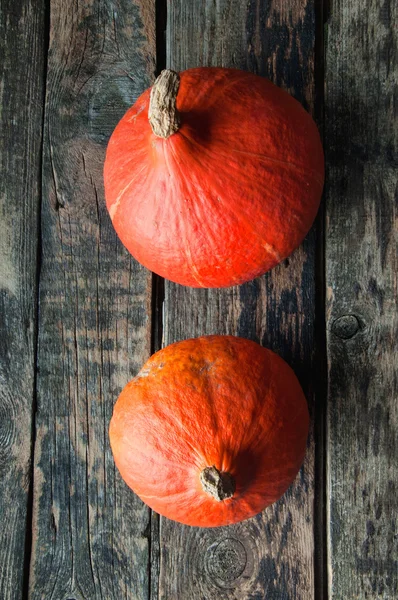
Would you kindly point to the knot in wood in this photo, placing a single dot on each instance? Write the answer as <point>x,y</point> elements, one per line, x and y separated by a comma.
<point>345,327</point>
<point>226,560</point>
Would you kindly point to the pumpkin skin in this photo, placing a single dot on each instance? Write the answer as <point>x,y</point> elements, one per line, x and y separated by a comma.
<point>214,401</point>
<point>230,194</point>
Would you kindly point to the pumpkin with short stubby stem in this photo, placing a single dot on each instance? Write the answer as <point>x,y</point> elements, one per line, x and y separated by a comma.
<point>211,430</point>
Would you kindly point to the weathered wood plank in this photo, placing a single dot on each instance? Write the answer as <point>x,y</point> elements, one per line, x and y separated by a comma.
<point>90,533</point>
<point>361,258</point>
<point>271,556</point>
<point>22,54</point>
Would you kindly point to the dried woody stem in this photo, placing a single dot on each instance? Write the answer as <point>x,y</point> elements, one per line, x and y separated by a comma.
<point>217,484</point>
<point>163,115</point>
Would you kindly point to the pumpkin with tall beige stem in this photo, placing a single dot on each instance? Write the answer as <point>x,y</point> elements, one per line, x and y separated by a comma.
<point>211,430</point>
<point>213,176</point>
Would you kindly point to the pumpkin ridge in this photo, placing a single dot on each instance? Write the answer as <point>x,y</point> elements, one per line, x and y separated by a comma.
<point>262,446</point>
<point>211,402</point>
<point>114,206</point>
<point>184,492</point>
<point>301,168</point>
<point>197,455</point>
<point>161,415</point>
<point>239,218</point>
<point>137,450</point>
<point>261,157</point>
<point>230,212</point>
<point>293,215</point>
<point>194,271</point>
<point>224,447</point>
<point>166,414</point>
<point>196,185</point>
<point>213,89</point>
<point>211,86</point>
<point>176,461</point>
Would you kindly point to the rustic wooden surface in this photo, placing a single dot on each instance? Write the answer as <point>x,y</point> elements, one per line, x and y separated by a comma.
<point>272,555</point>
<point>71,530</point>
<point>22,56</point>
<point>362,313</point>
<point>90,533</point>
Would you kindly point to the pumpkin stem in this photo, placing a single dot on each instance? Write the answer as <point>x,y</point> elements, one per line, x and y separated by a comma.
<point>162,114</point>
<point>218,484</point>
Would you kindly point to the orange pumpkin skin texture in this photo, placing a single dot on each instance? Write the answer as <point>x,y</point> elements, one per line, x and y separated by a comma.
<point>230,194</point>
<point>216,401</point>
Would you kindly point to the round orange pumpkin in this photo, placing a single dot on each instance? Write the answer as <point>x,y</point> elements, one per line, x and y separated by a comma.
<point>213,176</point>
<point>211,430</point>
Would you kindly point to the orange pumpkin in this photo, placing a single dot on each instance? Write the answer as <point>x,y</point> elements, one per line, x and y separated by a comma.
<point>211,430</point>
<point>213,176</point>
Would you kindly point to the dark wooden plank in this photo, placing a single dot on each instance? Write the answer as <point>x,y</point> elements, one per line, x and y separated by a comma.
<point>90,533</point>
<point>22,55</point>
<point>272,555</point>
<point>361,253</point>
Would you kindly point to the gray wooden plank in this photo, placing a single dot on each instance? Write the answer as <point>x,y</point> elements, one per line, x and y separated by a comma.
<point>272,555</point>
<point>22,55</point>
<point>90,533</point>
<point>361,259</point>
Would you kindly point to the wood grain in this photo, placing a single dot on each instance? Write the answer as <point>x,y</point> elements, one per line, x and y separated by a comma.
<point>22,54</point>
<point>361,258</point>
<point>272,555</point>
<point>90,533</point>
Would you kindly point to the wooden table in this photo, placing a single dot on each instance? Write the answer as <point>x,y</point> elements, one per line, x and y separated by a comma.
<point>79,316</point>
